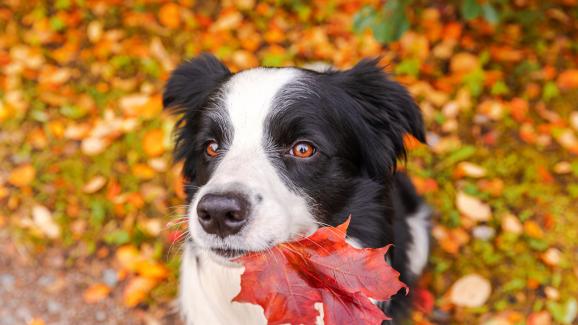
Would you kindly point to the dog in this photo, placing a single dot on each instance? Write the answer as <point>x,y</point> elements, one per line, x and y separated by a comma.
<point>272,154</point>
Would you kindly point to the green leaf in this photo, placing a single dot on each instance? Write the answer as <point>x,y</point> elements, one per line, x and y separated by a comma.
<point>363,19</point>
<point>571,311</point>
<point>490,14</point>
<point>550,91</point>
<point>408,67</point>
<point>117,237</point>
<point>73,112</point>
<point>57,24</point>
<point>471,9</point>
<point>457,156</point>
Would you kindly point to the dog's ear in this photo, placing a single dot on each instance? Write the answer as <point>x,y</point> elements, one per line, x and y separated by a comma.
<point>191,84</point>
<point>387,112</point>
<point>188,89</point>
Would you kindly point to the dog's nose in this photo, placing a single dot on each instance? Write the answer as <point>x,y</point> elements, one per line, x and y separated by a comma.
<point>222,214</point>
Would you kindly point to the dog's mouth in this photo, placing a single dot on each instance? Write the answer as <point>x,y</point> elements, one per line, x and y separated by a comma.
<point>229,253</point>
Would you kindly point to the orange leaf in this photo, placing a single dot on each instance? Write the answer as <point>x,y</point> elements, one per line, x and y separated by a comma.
<point>143,171</point>
<point>152,270</point>
<point>137,290</point>
<point>96,293</point>
<point>153,143</point>
<point>519,109</point>
<point>169,15</point>
<point>36,321</point>
<point>568,79</point>
<point>22,176</point>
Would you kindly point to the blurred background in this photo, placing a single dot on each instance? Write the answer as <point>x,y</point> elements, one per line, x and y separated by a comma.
<point>90,198</point>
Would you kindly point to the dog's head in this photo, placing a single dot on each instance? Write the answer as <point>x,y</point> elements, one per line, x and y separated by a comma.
<point>271,153</point>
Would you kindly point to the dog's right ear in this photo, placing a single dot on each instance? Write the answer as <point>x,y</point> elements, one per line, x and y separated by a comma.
<point>191,84</point>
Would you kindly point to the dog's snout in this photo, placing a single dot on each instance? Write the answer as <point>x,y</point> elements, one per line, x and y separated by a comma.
<point>222,214</point>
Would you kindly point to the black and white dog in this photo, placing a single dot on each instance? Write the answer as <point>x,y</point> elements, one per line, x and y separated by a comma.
<point>271,154</point>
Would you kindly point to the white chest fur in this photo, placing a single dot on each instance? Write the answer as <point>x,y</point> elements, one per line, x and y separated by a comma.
<point>207,289</point>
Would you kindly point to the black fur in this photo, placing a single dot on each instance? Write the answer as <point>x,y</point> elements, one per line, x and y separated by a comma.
<point>190,91</point>
<point>357,118</point>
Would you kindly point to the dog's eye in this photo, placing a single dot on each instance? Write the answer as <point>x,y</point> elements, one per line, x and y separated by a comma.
<point>212,149</point>
<point>303,149</point>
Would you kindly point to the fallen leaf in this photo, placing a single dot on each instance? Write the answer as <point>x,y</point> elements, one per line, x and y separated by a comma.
<point>568,140</point>
<point>469,169</point>
<point>94,184</point>
<point>320,268</point>
<point>552,257</point>
<point>540,318</point>
<point>423,300</point>
<point>169,15</point>
<point>137,290</point>
<point>22,176</point>
<point>463,63</point>
<point>511,224</point>
<point>152,270</point>
<point>472,207</point>
<point>128,257</point>
<point>36,321</point>
<point>568,79</point>
<point>153,142</point>
<point>94,146</point>
<point>532,229</point>
<point>95,293</point>
<point>470,291</point>
<point>43,219</point>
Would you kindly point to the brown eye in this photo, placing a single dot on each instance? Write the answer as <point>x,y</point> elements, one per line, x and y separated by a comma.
<point>212,149</point>
<point>303,149</point>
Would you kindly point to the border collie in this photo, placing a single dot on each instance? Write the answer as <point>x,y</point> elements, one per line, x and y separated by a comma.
<point>271,154</point>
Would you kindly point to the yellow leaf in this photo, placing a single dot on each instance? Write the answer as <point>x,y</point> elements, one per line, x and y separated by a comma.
<point>96,293</point>
<point>22,176</point>
<point>128,257</point>
<point>137,290</point>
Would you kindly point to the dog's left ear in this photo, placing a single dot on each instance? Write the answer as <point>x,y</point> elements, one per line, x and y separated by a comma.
<point>388,113</point>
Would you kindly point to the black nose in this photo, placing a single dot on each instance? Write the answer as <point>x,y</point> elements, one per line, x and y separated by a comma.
<point>222,214</point>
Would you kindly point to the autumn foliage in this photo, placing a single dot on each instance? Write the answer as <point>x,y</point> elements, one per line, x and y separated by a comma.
<point>290,278</point>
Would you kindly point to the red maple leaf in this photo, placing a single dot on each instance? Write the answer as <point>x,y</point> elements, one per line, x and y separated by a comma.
<point>290,278</point>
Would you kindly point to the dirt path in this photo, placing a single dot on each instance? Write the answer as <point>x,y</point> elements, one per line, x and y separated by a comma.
<point>45,287</point>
